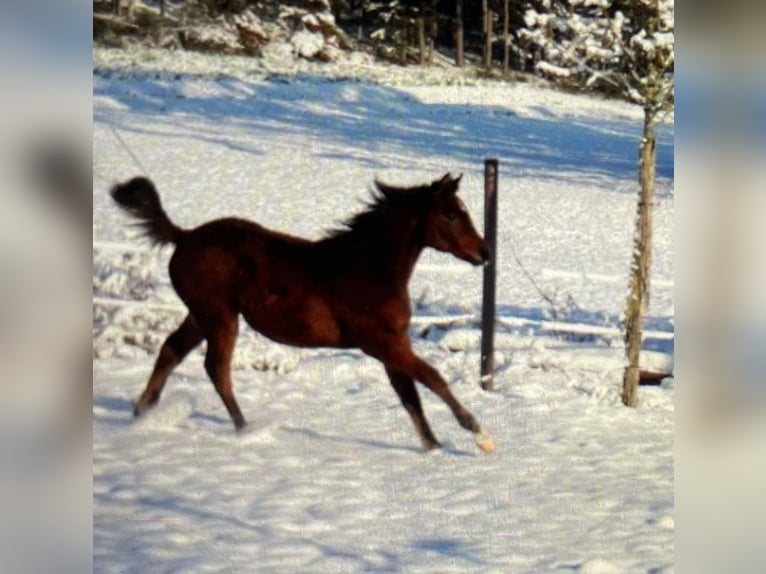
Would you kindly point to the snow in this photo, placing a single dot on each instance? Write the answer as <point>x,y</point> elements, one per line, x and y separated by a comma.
<point>328,476</point>
<point>551,70</point>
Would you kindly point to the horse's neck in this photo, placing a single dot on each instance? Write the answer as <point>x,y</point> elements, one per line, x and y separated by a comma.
<point>386,250</point>
<point>396,250</point>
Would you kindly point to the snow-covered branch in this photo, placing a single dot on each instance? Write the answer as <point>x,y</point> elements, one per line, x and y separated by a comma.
<point>601,44</point>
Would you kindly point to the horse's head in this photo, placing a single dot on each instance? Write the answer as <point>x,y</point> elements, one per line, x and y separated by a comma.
<point>448,225</point>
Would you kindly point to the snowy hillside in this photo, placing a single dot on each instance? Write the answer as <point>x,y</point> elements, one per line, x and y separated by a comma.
<point>328,476</point>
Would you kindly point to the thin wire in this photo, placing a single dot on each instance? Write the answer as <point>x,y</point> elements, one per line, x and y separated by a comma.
<point>127,149</point>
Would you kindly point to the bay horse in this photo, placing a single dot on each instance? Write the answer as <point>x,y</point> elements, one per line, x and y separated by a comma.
<point>345,290</point>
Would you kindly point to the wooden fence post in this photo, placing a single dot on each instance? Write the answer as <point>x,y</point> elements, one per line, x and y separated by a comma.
<point>488,298</point>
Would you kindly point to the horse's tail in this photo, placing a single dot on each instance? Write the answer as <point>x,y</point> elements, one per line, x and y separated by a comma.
<point>139,197</point>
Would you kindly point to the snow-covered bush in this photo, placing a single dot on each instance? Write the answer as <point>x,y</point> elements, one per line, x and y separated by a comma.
<point>312,31</point>
<point>120,278</point>
<point>218,37</point>
<point>598,44</point>
<point>394,33</point>
<point>252,32</point>
<point>297,29</point>
<point>129,275</point>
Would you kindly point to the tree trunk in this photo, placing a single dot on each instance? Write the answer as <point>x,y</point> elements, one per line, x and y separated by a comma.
<point>506,44</point>
<point>403,42</point>
<point>433,32</point>
<point>642,256</point>
<point>162,7</point>
<point>487,36</point>
<point>459,35</point>
<point>422,39</point>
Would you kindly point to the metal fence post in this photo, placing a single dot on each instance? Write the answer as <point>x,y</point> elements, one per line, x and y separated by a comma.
<point>488,298</point>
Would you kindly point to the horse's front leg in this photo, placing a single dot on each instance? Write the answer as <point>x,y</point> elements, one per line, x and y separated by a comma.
<point>431,378</point>
<point>399,358</point>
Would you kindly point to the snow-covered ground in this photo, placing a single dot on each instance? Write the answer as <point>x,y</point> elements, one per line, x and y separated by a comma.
<point>328,476</point>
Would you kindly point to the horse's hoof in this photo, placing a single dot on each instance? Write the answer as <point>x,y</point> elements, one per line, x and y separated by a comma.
<point>431,446</point>
<point>240,425</point>
<point>141,406</point>
<point>138,408</point>
<point>485,441</point>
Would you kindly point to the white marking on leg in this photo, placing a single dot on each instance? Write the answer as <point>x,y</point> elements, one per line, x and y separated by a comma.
<point>484,441</point>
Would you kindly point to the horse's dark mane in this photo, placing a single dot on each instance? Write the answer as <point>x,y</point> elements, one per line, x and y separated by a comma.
<point>383,197</point>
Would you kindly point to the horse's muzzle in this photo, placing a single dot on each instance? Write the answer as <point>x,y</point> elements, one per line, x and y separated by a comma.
<point>482,256</point>
<point>486,254</point>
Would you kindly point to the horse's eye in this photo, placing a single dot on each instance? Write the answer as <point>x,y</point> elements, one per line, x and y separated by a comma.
<point>451,215</point>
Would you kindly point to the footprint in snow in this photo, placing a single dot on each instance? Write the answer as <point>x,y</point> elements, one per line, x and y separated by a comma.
<point>257,433</point>
<point>172,411</point>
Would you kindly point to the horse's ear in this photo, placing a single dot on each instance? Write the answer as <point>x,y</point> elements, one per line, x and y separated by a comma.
<point>448,185</point>
<point>385,189</point>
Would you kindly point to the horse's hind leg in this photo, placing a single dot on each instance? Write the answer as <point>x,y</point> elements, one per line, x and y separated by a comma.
<point>173,351</point>
<point>221,336</point>
<point>408,394</point>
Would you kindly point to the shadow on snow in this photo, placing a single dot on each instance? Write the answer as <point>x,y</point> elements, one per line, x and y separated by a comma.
<point>374,121</point>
